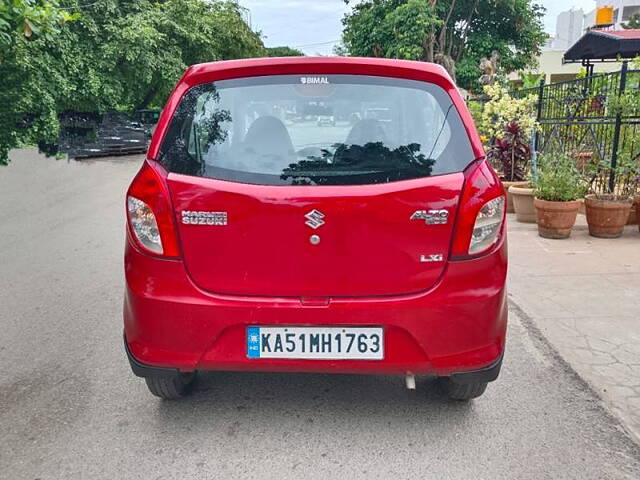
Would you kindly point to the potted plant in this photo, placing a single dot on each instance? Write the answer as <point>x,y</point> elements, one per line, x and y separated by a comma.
<point>510,156</point>
<point>607,208</point>
<point>558,190</point>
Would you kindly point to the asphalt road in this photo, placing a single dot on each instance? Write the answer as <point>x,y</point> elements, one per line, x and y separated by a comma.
<point>70,408</point>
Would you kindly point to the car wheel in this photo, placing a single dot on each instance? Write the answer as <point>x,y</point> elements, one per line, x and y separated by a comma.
<point>462,391</point>
<point>170,387</point>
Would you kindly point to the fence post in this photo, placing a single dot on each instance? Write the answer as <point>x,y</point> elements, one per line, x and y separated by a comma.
<point>539,111</point>
<point>618,127</point>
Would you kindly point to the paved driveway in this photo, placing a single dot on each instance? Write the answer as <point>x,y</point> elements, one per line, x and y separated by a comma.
<point>584,295</point>
<point>70,408</point>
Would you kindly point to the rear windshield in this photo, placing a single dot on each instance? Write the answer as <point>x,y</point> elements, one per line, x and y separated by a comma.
<point>316,130</point>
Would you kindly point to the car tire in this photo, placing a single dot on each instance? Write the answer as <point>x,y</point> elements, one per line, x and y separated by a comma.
<point>462,391</point>
<point>170,387</point>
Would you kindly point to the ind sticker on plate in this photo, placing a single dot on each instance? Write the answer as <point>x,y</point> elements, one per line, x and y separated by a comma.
<point>253,342</point>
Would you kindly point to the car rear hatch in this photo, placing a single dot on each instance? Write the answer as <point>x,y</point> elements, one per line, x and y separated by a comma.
<point>367,243</point>
<point>270,203</point>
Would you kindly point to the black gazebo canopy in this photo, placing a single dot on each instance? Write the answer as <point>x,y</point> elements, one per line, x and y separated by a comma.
<point>604,45</point>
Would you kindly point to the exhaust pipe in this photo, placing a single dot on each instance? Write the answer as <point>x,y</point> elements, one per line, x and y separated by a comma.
<point>410,381</point>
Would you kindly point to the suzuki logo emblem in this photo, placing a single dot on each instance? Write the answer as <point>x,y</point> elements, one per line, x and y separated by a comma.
<point>314,219</point>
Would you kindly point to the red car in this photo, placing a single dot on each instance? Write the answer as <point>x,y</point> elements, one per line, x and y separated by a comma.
<point>258,240</point>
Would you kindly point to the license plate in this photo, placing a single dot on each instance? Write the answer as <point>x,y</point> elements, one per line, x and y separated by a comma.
<point>316,343</point>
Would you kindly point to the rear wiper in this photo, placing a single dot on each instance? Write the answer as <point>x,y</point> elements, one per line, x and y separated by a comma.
<point>444,122</point>
<point>197,143</point>
<point>329,173</point>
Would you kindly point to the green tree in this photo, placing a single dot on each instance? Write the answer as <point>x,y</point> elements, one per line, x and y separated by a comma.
<point>454,33</point>
<point>24,24</point>
<point>29,18</point>
<point>284,52</point>
<point>118,54</point>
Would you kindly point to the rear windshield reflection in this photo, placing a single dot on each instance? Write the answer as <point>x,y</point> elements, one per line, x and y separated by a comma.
<point>345,130</point>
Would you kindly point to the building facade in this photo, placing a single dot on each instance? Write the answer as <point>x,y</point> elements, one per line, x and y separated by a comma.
<point>622,10</point>
<point>570,26</point>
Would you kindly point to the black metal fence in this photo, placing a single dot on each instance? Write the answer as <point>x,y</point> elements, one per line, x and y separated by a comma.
<point>593,120</point>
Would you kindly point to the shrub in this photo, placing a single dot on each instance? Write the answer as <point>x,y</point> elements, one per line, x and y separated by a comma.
<point>627,177</point>
<point>507,123</point>
<point>558,179</point>
<point>510,153</point>
<point>502,109</point>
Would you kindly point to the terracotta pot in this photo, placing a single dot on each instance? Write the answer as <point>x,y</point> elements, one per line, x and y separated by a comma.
<point>637,202</point>
<point>523,204</point>
<point>507,186</point>
<point>606,215</point>
<point>633,214</point>
<point>556,219</point>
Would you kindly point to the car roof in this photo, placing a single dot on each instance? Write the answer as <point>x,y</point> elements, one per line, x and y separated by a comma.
<point>201,72</point>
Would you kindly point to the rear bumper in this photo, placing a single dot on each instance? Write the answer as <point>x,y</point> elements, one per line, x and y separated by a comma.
<point>457,327</point>
<point>487,374</point>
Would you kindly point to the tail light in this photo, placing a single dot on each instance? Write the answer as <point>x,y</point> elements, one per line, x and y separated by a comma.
<point>150,216</point>
<point>481,214</point>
